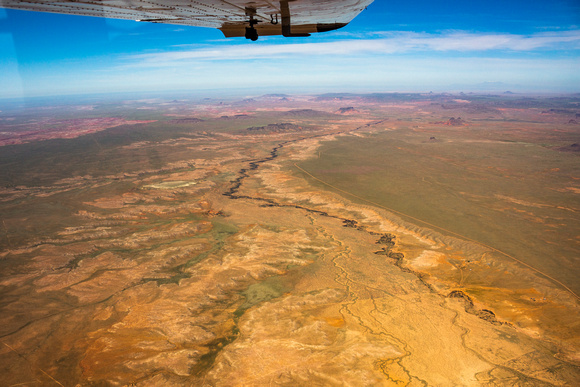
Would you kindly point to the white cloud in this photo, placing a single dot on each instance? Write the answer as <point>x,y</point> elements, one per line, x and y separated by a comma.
<point>382,61</point>
<point>383,43</point>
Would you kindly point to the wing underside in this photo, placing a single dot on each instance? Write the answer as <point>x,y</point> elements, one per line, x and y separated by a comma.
<point>232,17</point>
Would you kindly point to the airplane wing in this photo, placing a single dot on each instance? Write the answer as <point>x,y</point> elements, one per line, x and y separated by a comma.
<point>232,17</point>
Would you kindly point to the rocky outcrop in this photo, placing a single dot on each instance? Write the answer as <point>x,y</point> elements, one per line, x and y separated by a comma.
<point>452,122</point>
<point>347,110</point>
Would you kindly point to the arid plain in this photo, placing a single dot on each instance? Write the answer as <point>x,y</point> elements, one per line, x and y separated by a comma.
<point>359,240</point>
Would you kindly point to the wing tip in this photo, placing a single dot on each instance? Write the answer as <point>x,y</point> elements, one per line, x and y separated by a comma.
<point>325,27</point>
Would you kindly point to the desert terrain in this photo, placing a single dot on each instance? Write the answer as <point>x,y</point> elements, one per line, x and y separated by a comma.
<point>330,240</point>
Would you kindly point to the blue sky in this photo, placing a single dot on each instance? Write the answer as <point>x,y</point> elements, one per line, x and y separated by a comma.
<point>392,46</point>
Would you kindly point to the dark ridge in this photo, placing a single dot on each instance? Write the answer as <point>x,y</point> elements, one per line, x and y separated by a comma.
<point>236,117</point>
<point>185,120</point>
<point>559,111</point>
<point>388,242</point>
<point>396,97</point>
<point>305,113</point>
<point>570,148</point>
<point>347,110</point>
<point>484,314</point>
<point>350,223</point>
<point>469,107</point>
<point>275,96</point>
<point>387,239</point>
<point>277,128</point>
<point>336,96</point>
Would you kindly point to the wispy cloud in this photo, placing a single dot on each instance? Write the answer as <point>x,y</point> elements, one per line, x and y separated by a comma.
<point>380,43</point>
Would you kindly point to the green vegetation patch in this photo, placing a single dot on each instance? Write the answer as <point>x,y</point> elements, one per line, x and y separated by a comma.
<point>270,288</point>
